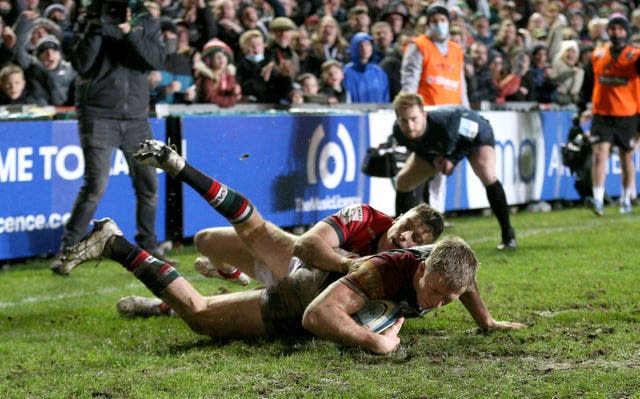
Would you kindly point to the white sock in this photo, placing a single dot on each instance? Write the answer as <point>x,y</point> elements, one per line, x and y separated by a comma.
<point>625,198</point>
<point>598,193</point>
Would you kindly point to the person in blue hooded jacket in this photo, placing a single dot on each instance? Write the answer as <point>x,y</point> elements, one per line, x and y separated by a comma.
<point>365,81</point>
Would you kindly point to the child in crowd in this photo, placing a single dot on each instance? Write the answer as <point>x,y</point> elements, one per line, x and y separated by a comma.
<point>310,89</point>
<point>216,76</point>
<point>14,89</point>
<point>332,87</point>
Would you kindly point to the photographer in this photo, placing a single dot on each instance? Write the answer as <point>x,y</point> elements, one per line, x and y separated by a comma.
<point>116,45</point>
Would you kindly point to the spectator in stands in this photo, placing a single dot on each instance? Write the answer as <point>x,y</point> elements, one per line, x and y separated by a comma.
<point>358,21</point>
<point>15,89</point>
<point>480,85</point>
<point>611,85</point>
<point>283,64</point>
<point>154,9</point>
<point>557,22</point>
<point>170,8</point>
<point>567,74</point>
<point>332,8</point>
<point>482,29</point>
<point>9,11</point>
<point>537,22</point>
<point>392,62</point>
<point>199,21</point>
<point>301,44</point>
<point>507,10</point>
<point>578,25</point>
<point>327,43</point>
<point>541,71</point>
<point>172,84</point>
<point>228,24</point>
<point>365,81</point>
<point>7,44</point>
<point>524,90</point>
<point>59,14</point>
<point>310,87</point>
<point>506,40</point>
<point>251,68</point>
<point>48,70</point>
<point>382,40</point>
<point>216,76</point>
<point>396,14</point>
<point>332,83</point>
<point>597,28</point>
<point>34,28</point>
<point>112,99</point>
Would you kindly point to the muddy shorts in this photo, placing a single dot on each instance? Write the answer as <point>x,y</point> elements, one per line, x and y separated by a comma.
<point>283,305</point>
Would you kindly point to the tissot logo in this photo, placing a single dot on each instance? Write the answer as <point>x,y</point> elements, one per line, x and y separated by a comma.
<point>332,161</point>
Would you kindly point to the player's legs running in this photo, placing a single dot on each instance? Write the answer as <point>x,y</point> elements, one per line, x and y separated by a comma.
<point>628,179</point>
<point>600,156</point>
<point>229,315</point>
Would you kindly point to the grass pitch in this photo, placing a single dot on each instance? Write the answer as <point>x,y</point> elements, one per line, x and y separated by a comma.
<point>573,280</point>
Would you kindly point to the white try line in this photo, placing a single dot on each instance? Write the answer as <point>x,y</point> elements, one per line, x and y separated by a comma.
<point>62,297</point>
<point>595,224</point>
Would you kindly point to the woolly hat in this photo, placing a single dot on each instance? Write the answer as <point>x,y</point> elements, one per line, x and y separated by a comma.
<point>53,8</point>
<point>215,45</point>
<point>619,19</point>
<point>47,42</point>
<point>167,24</point>
<point>437,9</point>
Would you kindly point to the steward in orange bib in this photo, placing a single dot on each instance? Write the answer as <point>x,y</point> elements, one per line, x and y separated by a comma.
<point>611,84</point>
<point>433,65</point>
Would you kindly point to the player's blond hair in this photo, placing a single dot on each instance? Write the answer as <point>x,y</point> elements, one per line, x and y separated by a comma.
<point>455,260</point>
<point>407,100</point>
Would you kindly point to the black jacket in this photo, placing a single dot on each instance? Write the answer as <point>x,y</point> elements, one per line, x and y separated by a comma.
<point>113,68</point>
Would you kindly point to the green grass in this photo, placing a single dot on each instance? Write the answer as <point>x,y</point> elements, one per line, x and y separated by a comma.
<point>574,280</point>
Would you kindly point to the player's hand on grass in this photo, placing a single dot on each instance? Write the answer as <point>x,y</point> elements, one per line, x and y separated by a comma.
<point>504,325</point>
<point>389,340</point>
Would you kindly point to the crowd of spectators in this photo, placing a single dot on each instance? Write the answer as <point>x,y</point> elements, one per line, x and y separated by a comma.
<point>323,51</point>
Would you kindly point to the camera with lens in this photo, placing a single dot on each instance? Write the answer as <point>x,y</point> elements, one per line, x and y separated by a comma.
<point>108,11</point>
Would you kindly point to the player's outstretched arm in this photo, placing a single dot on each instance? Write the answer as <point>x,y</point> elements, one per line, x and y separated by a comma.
<point>474,304</point>
<point>328,316</point>
<point>317,247</point>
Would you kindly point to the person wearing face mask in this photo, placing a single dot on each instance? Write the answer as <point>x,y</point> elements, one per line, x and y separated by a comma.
<point>433,67</point>
<point>441,138</point>
<point>255,85</point>
<point>611,84</point>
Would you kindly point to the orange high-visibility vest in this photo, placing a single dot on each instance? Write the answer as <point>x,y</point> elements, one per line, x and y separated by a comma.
<point>615,86</point>
<point>440,81</point>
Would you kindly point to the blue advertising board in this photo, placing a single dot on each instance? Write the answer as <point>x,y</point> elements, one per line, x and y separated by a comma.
<point>41,170</point>
<point>296,170</point>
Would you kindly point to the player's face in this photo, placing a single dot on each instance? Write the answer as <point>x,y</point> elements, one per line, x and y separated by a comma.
<point>407,231</point>
<point>432,290</point>
<point>412,121</point>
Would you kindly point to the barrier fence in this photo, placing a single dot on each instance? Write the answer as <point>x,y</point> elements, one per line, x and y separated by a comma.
<point>296,168</point>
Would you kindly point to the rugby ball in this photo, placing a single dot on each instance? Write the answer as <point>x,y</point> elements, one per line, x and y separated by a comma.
<point>377,315</point>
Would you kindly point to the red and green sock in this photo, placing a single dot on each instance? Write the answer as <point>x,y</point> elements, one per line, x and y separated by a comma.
<point>232,205</point>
